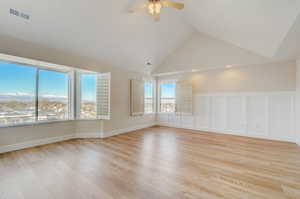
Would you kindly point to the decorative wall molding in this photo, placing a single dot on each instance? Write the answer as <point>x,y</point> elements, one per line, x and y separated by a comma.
<point>268,115</point>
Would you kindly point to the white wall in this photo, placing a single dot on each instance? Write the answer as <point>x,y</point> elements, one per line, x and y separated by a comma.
<point>255,101</point>
<point>298,102</point>
<point>121,121</point>
<point>253,78</point>
<point>267,115</point>
<point>120,103</point>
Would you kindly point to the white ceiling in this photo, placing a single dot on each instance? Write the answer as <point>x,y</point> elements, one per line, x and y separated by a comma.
<point>201,52</point>
<point>105,31</point>
<point>256,25</point>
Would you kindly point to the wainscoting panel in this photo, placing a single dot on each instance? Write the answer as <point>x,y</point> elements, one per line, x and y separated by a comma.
<point>267,115</point>
<point>201,112</point>
<point>256,114</point>
<point>235,115</point>
<point>218,113</point>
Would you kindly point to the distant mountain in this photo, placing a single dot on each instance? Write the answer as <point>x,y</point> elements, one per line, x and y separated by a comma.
<point>4,97</point>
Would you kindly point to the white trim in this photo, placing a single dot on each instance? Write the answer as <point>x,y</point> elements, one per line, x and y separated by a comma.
<point>36,63</point>
<point>228,132</point>
<point>226,94</point>
<point>88,135</point>
<point>34,123</point>
<point>39,142</point>
<point>34,143</point>
<point>214,68</point>
<point>126,130</point>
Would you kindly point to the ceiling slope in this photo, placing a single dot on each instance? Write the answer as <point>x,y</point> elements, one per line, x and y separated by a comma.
<point>102,30</point>
<point>105,31</point>
<point>290,47</point>
<point>256,25</point>
<point>202,52</point>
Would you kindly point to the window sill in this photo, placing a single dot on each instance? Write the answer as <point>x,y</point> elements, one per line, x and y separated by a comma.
<point>34,123</point>
<point>44,122</point>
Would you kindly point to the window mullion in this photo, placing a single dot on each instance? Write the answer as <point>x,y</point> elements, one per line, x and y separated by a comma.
<point>37,94</point>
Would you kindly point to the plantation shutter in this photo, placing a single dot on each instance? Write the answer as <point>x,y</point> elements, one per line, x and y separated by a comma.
<point>103,96</point>
<point>184,97</point>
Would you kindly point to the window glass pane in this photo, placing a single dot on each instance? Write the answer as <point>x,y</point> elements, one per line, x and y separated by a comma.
<point>148,97</point>
<point>88,106</point>
<point>17,93</point>
<point>53,96</point>
<point>167,97</point>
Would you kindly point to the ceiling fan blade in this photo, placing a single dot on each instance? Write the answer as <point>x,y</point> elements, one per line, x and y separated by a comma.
<point>139,7</point>
<point>171,4</point>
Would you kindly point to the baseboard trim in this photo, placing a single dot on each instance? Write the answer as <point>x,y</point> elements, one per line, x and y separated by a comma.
<point>230,132</point>
<point>126,130</point>
<point>34,143</point>
<point>88,135</point>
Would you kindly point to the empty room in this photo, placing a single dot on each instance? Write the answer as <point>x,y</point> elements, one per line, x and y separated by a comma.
<point>150,99</point>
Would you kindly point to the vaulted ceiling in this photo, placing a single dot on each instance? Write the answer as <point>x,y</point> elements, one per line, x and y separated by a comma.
<point>105,31</point>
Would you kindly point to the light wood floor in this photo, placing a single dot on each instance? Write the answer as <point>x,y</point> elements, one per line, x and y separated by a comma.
<point>154,163</point>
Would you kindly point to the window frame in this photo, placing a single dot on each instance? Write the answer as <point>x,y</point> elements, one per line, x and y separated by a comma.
<point>171,81</point>
<point>39,65</point>
<point>78,96</point>
<point>71,93</point>
<point>153,97</point>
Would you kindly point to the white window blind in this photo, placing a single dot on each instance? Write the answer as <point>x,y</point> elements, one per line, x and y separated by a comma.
<point>184,97</point>
<point>103,96</point>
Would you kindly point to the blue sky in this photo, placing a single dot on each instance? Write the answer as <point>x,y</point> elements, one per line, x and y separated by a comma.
<point>148,90</point>
<point>88,87</point>
<point>168,90</point>
<point>15,78</point>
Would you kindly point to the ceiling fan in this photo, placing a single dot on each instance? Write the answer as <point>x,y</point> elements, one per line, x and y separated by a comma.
<point>154,7</point>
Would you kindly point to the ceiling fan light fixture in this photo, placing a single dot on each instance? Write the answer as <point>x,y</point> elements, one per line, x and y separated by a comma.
<point>154,8</point>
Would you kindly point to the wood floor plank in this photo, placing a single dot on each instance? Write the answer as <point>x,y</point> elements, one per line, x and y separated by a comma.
<point>154,163</point>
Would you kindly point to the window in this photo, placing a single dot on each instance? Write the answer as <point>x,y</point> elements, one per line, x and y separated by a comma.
<point>29,94</point>
<point>53,95</point>
<point>40,92</point>
<point>17,93</point>
<point>167,97</point>
<point>148,104</point>
<point>88,92</point>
